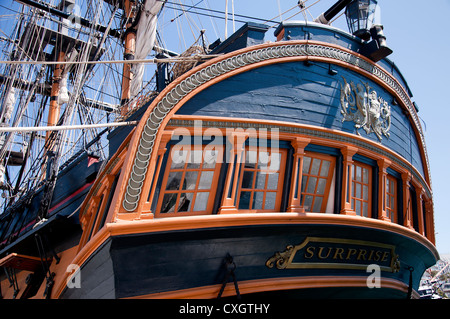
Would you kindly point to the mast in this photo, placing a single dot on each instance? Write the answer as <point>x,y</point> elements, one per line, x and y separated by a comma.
<point>55,108</point>
<point>129,51</point>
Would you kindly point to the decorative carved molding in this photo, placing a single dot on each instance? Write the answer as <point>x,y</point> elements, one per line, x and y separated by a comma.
<point>361,104</point>
<point>208,73</point>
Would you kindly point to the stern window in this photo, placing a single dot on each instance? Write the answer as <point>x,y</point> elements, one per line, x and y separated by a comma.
<point>261,179</point>
<point>361,189</point>
<point>190,181</point>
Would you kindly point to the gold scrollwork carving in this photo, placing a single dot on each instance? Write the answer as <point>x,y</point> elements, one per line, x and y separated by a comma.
<point>281,259</point>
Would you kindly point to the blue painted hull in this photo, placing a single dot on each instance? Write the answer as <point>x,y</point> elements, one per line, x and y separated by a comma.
<point>186,263</point>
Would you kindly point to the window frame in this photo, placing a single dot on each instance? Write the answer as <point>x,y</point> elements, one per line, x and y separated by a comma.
<point>329,180</point>
<point>354,182</point>
<point>278,191</point>
<point>391,196</point>
<point>213,187</point>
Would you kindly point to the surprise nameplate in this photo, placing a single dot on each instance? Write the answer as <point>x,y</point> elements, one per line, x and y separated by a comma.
<point>336,253</point>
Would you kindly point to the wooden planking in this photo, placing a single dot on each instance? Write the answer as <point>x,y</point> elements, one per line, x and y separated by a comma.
<point>294,92</point>
<point>97,278</point>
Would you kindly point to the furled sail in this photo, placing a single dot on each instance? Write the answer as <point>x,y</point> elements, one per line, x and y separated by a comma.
<point>145,39</point>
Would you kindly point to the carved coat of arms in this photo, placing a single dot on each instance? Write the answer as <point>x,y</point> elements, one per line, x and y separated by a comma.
<point>362,105</point>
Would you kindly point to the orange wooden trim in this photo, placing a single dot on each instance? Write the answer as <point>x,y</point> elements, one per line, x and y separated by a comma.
<point>276,284</point>
<point>347,152</point>
<point>113,166</point>
<point>21,262</point>
<point>383,164</point>
<point>299,145</point>
<point>237,140</point>
<point>242,219</point>
<point>167,136</point>
<point>419,192</point>
<point>407,203</point>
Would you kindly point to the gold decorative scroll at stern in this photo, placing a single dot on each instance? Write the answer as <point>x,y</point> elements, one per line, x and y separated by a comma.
<point>336,253</point>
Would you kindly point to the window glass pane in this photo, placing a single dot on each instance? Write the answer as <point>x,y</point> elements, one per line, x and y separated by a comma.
<point>201,201</point>
<point>365,209</point>
<point>272,183</point>
<point>263,160</point>
<point>304,179</point>
<point>357,190</point>
<point>185,202</point>
<point>308,202</point>
<point>306,164</point>
<point>358,174</point>
<point>210,158</point>
<point>190,180</point>
<point>244,201</point>
<point>169,202</point>
<point>174,180</point>
<point>311,185</point>
<point>325,168</point>
<point>190,172</point>
<point>247,179</point>
<point>365,192</point>
<point>206,180</point>
<point>358,207</point>
<point>275,160</point>
<point>250,159</point>
<point>195,159</point>
<point>315,166</point>
<point>365,176</point>
<point>388,183</point>
<point>258,198</point>
<point>317,204</point>
<point>178,158</point>
<point>321,186</point>
<point>271,198</point>
<point>260,180</point>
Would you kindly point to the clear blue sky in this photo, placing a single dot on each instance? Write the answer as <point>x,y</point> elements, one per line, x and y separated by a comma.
<point>417,31</point>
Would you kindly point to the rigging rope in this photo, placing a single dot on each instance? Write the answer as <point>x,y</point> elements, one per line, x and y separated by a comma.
<point>150,61</point>
<point>65,127</point>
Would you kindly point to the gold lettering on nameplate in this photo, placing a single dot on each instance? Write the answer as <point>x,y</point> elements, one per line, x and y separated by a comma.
<point>336,253</point>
